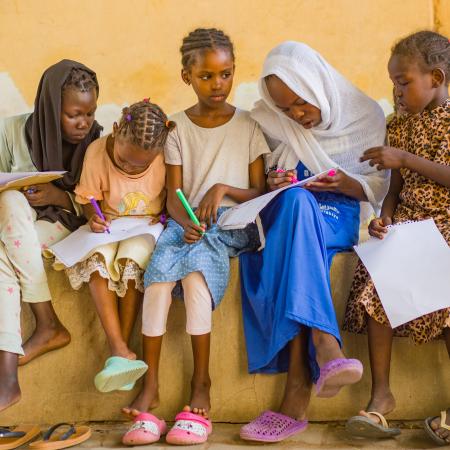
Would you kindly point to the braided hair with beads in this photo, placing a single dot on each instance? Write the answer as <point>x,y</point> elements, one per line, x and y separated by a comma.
<point>203,39</point>
<point>145,124</point>
<point>430,49</point>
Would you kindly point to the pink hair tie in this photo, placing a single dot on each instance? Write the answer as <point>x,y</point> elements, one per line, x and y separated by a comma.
<point>146,100</point>
<point>128,117</point>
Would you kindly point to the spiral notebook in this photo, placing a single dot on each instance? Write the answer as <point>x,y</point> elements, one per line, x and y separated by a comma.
<point>410,268</point>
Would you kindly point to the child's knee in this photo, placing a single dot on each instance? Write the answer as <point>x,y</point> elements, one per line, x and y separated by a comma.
<point>13,202</point>
<point>157,301</point>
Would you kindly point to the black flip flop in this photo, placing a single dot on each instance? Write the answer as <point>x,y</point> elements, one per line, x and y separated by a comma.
<point>362,426</point>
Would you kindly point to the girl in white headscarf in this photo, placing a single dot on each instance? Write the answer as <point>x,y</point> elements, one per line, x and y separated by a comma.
<point>315,121</point>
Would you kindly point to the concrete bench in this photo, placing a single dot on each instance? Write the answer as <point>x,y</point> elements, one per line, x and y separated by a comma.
<point>59,386</point>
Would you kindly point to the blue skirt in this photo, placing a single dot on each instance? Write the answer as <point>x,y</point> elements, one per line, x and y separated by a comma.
<point>174,259</point>
<point>286,286</point>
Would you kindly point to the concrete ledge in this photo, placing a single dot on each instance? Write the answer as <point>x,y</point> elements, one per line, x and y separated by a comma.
<point>59,386</point>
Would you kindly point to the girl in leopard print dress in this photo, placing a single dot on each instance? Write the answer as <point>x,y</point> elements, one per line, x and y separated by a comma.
<point>419,157</point>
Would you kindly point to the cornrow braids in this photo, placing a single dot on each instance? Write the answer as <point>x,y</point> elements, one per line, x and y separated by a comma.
<point>430,49</point>
<point>145,124</point>
<point>81,80</point>
<point>203,39</point>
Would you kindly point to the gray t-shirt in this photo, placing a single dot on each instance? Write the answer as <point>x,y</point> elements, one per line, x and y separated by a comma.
<point>214,155</point>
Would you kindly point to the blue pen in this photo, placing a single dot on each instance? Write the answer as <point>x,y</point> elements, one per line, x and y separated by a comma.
<point>98,211</point>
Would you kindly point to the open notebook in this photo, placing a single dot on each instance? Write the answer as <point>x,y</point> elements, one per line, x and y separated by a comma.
<point>241,215</point>
<point>80,243</point>
<point>20,180</point>
<point>410,268</point>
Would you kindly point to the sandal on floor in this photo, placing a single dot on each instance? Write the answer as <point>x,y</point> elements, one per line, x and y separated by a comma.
<point>56,441</point>
<point>189,429</point>
<point>362,426</point>
<point>272,427</point>
<point>10,439</point>
<point>336,374</point>
<point>146,429</point>
<point>432,433</point>
<point>118,373</point>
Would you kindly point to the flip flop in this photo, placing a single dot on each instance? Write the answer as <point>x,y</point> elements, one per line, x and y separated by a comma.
<point>432,434</point>
<point>336,374</point>
<point>189,429</point>
<point>146,429</point>
<point>272,427</point>
<point>127,387</point>
<point>118,373</point>
<point>362,426</point>
<point>20,435</point>
<point>73,436</point>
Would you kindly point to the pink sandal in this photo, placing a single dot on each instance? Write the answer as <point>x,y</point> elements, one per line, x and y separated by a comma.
<point>189,429</point>
<point>146,429</point>
<point>336,374</point>
<point>272,427</point>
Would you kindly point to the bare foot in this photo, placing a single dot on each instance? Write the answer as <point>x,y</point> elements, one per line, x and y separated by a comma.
<point>296,401</point>
<point>43,340</point>
<point>441,432</point>
<point>9,385</point>
<point>327,347</point>
<point>123,351</point>
<point>200,400</point>
<point>383,403</point>
<point>146,400</point>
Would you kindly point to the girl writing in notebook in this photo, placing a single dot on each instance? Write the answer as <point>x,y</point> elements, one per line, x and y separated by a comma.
<point>125,173</point>
<point>419,159</point>
<point>215,156</point>
<point>53,137</point>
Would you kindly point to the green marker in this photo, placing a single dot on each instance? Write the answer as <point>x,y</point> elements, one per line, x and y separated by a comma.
<point>187,207</point>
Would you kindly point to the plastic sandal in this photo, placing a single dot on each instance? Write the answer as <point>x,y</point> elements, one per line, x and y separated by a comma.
<point>10,439</point>
<point>336,374</point>
<point>362,426</point>
<point>55,441</point>
<point>272,427</point>
<point>189,429</point>
<point>118,373</point>
<point>432,434</point>
<point>146,429</point>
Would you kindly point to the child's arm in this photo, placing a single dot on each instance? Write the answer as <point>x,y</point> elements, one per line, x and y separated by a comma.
<point>210,203</point>
<point>395,158</point>
<point>97,225</point>
<point>174,181</point>
<point>377,227</point>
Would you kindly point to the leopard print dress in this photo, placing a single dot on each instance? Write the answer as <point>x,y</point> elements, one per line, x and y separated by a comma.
<point>426,135</point>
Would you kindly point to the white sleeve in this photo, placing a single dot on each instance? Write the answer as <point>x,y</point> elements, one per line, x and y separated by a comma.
<point>258,143</point>
<point>172,149</point>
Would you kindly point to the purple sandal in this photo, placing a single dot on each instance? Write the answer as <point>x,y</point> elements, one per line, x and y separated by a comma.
<point>272,427</point>
<point>337,373</point>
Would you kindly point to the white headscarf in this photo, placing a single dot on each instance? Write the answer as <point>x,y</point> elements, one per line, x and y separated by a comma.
<point>351,121</point>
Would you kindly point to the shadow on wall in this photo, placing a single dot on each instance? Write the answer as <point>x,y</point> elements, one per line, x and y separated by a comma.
<point>13,103</point>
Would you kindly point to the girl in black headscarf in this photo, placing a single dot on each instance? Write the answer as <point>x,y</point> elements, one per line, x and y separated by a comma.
<point>54,137</point>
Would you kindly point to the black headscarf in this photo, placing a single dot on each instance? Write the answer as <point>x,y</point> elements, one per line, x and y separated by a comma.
<point>47,148</point>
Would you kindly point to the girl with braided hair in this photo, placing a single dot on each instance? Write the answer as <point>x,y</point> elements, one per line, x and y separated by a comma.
<point>125,172</point>
<point>215,157</point>
<point>53,137</point>
<point>419,159</point>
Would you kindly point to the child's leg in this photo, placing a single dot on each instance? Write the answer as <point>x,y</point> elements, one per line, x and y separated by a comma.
<point>23,250</point>
<point>380,347</point>
<point>198,324</point>
<point>9,385</point>
<point>129,307</point>
<point>107,309</point>
<point>297,391</point>
<point>157,301</point>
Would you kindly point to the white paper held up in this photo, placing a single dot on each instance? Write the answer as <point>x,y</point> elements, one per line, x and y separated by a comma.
<point>76,246</point>
<point>241,215</point>
<point>19,180</point>
<point>410,268</point>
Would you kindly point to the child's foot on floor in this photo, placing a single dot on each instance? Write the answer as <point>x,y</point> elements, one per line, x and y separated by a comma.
<point>441,432</point>
<point>381,403</point>
<point>44,340</point>
<point>200,401</point>
<point>146,400</point>
<point>9,392</point>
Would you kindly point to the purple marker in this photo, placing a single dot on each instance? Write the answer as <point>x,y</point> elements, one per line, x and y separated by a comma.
<point>98,211</point>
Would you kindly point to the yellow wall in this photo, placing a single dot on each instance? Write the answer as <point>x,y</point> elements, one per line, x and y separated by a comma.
<point>133,44</point>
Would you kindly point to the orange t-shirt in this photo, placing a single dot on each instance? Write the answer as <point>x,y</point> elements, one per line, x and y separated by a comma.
<point>119,193</point>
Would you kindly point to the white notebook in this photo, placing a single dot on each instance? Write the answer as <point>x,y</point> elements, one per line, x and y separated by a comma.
<point>19,180</point>
<point>241,215</point>
<point>410,268</point>
<point>77,245</point>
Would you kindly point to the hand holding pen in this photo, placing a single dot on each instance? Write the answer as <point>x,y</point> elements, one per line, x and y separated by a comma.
<point>279,178</point>
<point>97,221</point>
